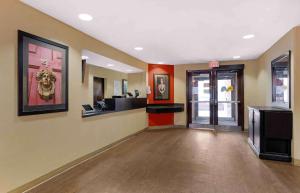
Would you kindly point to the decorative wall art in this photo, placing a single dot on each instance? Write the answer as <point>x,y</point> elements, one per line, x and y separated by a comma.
<point>43,75</point>
<point>161,87</point>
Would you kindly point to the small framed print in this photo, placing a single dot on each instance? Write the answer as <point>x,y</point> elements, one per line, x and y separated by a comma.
<point>161,87</point>
<point>42,74</point>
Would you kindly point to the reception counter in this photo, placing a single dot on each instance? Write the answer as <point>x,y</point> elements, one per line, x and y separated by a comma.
<point>165,108</point>
<point>118,105</point>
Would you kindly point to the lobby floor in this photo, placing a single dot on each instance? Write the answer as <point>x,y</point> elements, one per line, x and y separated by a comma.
<point>178,161</point>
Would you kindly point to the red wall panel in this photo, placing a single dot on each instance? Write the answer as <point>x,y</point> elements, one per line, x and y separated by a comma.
<point>165,118</point>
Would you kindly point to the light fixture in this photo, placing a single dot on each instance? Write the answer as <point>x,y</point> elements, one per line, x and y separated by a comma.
<point>84,57</point>
<point>138,48</point>
<point>85,17</point>
<point>236,57</point>
<point>160,62</point>
<point>110,65</point>
<point>248,36</point>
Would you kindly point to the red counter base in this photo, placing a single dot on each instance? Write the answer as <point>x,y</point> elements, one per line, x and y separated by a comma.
<point>161,119</point>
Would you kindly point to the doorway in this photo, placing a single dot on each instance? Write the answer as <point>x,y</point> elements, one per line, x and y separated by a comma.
<point>98,89</point>
<point>215,98</point>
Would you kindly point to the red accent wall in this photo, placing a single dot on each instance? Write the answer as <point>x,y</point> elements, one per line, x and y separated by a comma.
<point>165,118</point>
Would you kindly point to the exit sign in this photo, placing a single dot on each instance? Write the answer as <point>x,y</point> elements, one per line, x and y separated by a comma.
<point>214,64</point>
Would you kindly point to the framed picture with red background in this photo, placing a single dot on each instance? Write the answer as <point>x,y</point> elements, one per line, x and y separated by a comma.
<point>43,75</point>
<point>161,86</point>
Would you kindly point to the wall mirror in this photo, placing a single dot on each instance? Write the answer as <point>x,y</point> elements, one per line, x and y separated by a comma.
<point>281,81</point>
<point>105,78</point>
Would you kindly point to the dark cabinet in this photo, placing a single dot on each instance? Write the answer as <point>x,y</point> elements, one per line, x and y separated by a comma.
<point>270,132</point>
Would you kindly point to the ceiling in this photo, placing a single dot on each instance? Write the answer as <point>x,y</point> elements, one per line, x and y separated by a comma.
<point>180,31</point>
<point>104,62</point>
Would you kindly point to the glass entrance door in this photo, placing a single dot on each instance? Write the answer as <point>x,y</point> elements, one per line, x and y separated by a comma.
<point>200,99</point>
<point>227,99</point>
<point>215,98</point>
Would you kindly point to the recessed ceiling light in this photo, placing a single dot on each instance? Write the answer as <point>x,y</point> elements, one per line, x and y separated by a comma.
<point>138,48</point>
<point>85,17</point>
<point>160,62</point>
<point>236,57</point>
<point>84,57</point>
<point>248,36</point>
<point>110,65</point>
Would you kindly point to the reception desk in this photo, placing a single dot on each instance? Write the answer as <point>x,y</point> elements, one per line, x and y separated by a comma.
<point>117,105</point>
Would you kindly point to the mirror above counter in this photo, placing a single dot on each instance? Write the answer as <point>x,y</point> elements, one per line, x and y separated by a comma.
<point>111,86</point>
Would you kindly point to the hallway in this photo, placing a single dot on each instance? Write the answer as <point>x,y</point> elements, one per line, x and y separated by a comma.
<point>178,161</point>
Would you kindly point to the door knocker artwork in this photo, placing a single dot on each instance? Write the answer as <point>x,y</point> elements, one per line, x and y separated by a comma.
<point>46,84</point>
<point>42,74</point>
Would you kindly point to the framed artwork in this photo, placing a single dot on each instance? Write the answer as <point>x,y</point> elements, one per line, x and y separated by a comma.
<point>161,87</point>
<point>281,81</point>
<point>42,74</point>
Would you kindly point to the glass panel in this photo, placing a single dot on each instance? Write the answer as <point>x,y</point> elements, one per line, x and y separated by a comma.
<point>228,114</point>
<point>227,87</point>
<point>201,98</point>
<point>227,98</point>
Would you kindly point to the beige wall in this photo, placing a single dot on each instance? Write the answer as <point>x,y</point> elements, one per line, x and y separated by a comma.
<point>296,95</point>
<point>250,83</point>
<point>109,77</point>
<point>35,145</point>
<point>137,81</point>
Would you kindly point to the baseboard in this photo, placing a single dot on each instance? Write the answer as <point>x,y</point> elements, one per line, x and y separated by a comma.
<point>296,162</point>
<point>166,127</point>
<point>34,183</point>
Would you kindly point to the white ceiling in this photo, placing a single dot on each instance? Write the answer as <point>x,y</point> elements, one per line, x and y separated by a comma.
<point>101,61</point>
<point>180,31</point>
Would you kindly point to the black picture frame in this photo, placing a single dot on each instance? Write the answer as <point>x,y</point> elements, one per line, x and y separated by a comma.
<point>158,95</point>
<point>61,81</point>
<point>277,64</point>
